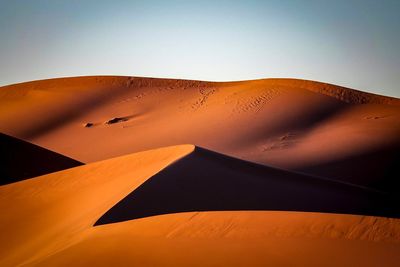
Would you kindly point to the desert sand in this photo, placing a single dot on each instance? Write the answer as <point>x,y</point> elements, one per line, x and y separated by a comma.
<point>50,222</point>
<point>276,172</point>
<point>293,124</point>
<point>22,160</point>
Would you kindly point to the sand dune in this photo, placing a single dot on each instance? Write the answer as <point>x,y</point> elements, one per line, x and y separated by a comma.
<point>49,213</point>
<point>307,126</point>
<point>208,181</point>
<point>21,160</point>
<point>290,173</point>
<point>53,216</point>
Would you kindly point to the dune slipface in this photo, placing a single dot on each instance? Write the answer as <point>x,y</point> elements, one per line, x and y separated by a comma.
<point>280,172</point>
<point>207,181</point>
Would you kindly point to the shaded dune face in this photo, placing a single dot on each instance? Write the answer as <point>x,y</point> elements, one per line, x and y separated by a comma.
<point>208,181</point>
<point>306,126</point>
<point>21,160</point>
<point>377,169</point>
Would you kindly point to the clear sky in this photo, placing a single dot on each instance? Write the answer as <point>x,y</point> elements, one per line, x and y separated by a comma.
<point>350,43</point>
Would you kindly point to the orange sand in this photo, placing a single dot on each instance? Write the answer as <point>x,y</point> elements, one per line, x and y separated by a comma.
<point>315,128</point>
<point>50,221</point>
<point>293,124</point>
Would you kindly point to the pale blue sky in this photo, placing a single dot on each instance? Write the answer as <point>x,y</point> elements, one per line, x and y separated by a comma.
<point>350,43</point>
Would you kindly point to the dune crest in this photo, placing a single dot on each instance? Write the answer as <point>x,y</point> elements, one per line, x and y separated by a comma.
<point>51,212</point>
<point>347,95</point>
<point>207,181</point>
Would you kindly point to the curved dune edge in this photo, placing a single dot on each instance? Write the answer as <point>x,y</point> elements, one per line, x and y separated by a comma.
<point>47,221</point>
<point>44,214</point>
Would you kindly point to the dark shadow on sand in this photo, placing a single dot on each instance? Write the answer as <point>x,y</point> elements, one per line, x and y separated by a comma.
<point>21,160</point>
<point>378,168</point>
<point>208,181</point>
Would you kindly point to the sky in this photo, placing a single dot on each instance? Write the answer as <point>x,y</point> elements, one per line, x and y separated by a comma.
<point>349,43</point>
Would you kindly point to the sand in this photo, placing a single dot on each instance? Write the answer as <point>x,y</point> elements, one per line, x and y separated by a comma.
<point>43,215</point>
<point>21,160</point>
<point>271,172</point>
<point>292,124</point>
<point>50,222</point>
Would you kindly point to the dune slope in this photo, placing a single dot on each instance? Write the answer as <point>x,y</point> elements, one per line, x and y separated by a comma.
<point>240,238</point>
<point>49,220</point>
<point>307,126</point>
<point>45,214</point>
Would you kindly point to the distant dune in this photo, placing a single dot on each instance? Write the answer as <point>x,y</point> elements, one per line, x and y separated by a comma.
<point>270,172</point>
<point>317,128</point>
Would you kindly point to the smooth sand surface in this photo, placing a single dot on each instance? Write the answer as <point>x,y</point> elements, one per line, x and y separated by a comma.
<point>49,221</point>
<point>299,125</point>
<point>237,239</point>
